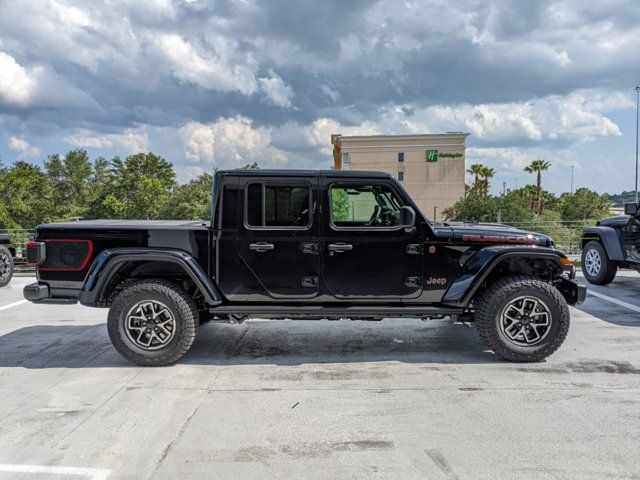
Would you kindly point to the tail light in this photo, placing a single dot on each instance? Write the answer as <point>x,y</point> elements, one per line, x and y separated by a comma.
<point>70,255</point>
<point>36,253</point>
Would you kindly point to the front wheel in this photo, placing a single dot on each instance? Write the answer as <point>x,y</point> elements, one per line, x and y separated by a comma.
<point>6,266</point>
<point>153,322</point>
<point>522,319</point>
<point>596,266</point>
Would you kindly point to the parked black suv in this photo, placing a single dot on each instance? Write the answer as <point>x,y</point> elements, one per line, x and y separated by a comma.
<point>306,245</point>
<point>614,242</point>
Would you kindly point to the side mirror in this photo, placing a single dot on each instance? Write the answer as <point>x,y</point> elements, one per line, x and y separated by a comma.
<point>407,217</point>
<point>631,208</point>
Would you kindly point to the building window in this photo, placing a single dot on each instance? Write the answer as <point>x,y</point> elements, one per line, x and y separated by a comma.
<point>400,157</point>
<point>345,159</point>
<point>401,176</point>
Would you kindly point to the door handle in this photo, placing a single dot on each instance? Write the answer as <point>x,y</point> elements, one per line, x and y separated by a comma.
<point>261,247</point>
<point>340,247</point>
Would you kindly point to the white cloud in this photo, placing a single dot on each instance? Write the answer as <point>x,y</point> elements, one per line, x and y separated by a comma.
<point>15,85</point>
<point>129,140</point>
<point>39,87</point>
<point>208,69</point>
<point>276,90</point>
<point>574,118</point>
<point>23,147</point>
<point>230,142</point>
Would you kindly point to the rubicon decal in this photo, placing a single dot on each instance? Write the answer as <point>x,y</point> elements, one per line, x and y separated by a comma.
<point>529,240</point>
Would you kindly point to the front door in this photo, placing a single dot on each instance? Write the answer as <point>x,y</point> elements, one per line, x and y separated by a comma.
<point>367,254</point>
<point>277,244</point>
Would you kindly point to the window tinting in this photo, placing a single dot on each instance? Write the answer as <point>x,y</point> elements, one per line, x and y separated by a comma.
<point>364,206</point>
<point>278,205</point>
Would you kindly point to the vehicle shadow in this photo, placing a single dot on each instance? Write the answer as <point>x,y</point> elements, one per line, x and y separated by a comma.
<point>278,342</point>
<point>624,288</point>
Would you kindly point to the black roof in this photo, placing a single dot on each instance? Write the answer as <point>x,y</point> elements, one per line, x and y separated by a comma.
<point>303,173</point>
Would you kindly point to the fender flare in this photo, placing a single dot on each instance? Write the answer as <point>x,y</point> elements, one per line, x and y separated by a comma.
<point>111,261</point>
<point>484,261</point>
<point>608,237</point>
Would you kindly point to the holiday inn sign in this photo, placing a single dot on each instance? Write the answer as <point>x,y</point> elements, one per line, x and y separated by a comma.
<point>433,155</point>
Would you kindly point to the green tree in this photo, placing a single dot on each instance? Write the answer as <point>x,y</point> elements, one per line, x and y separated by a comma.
<point>513,208</point>
<point>137,187</point>
<point>251,166</point>
<point>485,174</point>
<point>190,201</point>
<point>25,196</point>
<point>70,179</point>
<point>537,167</point>
<point>584,205</point>
<point>476,171</point>
<point>340,204</point>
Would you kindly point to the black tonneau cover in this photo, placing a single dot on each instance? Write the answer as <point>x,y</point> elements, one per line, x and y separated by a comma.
<point>130,225</point>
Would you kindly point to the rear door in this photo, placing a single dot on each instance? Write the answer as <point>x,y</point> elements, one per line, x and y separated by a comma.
<point>277,243</point>
<point>367,255</point>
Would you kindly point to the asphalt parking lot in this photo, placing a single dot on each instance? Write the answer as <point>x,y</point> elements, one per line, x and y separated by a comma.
<point>392,399</point>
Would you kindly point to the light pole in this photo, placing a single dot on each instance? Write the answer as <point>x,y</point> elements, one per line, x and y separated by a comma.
<point>637,120</point>
<point>571,179</point>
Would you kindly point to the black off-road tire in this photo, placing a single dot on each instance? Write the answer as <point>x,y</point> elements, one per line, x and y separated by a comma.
<point>608,268</point>
<point>492,301</point>
<point>180,304</point>
<point>6,266</point>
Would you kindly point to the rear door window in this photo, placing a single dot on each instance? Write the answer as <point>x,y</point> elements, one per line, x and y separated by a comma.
<point>278,206</point>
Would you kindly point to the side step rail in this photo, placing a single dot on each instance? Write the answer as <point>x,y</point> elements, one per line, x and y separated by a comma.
<point>335,311</point>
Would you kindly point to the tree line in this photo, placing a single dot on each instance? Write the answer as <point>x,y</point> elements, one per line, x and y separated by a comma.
<point>530,207</point>
<point>144,186</point>
<point>72,186</point>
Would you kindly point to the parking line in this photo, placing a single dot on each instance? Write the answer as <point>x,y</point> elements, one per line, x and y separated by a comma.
<point>92,473</point>
<point>614,300</point>
<point>14,304</point>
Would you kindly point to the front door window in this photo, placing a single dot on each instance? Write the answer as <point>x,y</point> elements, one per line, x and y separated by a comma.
<point>364,206</point>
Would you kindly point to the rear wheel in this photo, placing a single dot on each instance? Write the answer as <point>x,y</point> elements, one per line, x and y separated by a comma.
<point>522,319</point>
<point>153,322</point>
<point>6,266</point>
<point>596,266</point>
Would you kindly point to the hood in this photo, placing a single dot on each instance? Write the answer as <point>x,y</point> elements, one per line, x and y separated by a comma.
<point>615,221</point>
<point>490,233</point>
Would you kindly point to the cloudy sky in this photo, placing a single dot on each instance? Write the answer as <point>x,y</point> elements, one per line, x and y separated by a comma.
<point>226,83</point>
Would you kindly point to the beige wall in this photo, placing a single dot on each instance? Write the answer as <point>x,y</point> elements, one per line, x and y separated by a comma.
<point>438,184</point>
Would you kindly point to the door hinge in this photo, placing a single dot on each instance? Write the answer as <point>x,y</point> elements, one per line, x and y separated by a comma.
<point>309,281</point>
<point>310,248</point>
<point>415,249</point>
<point>413,282</point>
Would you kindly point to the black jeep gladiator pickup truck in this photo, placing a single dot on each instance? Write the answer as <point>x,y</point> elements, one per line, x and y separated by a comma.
<point>306,245</point>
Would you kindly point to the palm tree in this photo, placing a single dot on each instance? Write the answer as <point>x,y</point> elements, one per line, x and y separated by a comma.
<point>476,171</point>
<point>486,173</point>
<point>537,166</point>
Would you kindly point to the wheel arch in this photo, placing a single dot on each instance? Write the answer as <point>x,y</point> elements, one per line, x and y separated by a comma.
<point>608,238</point>
<point>491,263</point>
<point>113,267</point>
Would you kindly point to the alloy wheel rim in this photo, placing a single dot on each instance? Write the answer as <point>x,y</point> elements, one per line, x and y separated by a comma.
<point>4,266</point>
<point>150,325</point>
<point>592,262</point>
<point>525,321</point>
